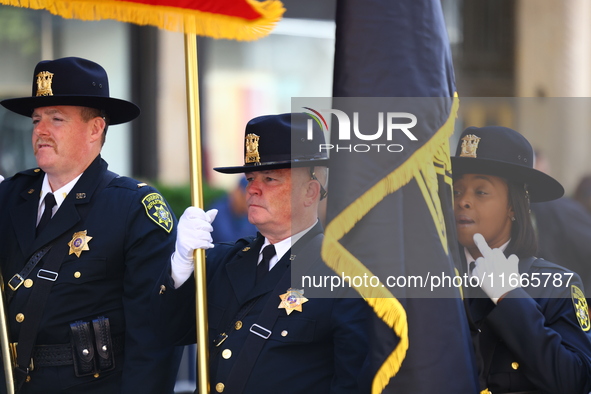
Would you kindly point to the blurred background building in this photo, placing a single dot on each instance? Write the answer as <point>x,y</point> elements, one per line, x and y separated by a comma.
<point>524,64</point>
<point>539,49</point>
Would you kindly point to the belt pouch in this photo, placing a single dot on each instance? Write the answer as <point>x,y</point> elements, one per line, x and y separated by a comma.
<point>82,349</point>
<point>104,344</point>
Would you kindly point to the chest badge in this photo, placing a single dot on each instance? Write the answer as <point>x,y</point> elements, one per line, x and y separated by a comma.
<point>292,300</point>
<point>580,304</point>
<point>79,243</point>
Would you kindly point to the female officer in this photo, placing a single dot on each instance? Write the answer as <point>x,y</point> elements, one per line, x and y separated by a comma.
<point>531,315</point>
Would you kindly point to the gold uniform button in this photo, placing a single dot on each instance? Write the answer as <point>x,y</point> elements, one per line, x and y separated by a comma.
<point>28,283</point>
<point>514,365</point>
<point>220,387</point>
<point>227,353</point>
<point>284,333</point>
<point>162,289</point>
<point>238,325</point>
<point>20,317</point>
<point>77,274</point>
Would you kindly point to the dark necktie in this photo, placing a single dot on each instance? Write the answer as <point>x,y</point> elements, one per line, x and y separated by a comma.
<point>46,217</point>
<point>263,267</point>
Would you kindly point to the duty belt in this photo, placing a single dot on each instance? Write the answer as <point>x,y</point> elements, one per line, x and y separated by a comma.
<point>60,355</point>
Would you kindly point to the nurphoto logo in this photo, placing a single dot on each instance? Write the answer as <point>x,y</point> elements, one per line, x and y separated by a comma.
<point>394,124</point>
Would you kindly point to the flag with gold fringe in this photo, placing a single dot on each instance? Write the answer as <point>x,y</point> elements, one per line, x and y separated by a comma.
<point>230,19</point>
<point>390,211</point>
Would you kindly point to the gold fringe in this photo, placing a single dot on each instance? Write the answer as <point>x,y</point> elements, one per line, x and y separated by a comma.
<point>429,184</point>
<point>392,312</point>
<point>168,18</point>
<point>384,304</point>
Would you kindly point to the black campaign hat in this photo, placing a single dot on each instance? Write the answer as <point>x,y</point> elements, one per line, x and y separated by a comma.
<point>503,152</point>
<point>281,141</point>
<point>72,81</point>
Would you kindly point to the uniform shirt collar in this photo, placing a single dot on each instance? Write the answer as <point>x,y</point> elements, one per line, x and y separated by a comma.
<point>60,194</point>
<point>283,246</point>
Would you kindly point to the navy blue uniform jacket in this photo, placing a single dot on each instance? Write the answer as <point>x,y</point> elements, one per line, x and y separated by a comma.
<point>532,340</point>
<point>112,279</point>
<point>318,350</point>
<point>564,236</point>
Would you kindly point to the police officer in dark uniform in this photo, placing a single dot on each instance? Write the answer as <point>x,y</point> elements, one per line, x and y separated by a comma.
<point>81,247</point>
<point>530,315</point>
<point>265,335</point>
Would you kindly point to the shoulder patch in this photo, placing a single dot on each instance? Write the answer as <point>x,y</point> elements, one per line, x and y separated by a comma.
<point>581,309</point>
<point>158,211</point>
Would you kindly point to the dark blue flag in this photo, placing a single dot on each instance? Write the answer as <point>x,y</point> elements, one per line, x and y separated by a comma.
<point>390,211</point>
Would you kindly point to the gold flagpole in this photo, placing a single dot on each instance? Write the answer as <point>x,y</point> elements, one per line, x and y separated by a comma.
<point>197,200</point>
<point>5,342</point>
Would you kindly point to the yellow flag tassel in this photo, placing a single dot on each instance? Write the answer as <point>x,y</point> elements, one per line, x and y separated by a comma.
<point>169,18</point>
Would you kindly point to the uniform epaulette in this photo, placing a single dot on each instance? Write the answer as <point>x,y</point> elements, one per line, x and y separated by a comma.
<point>241,243</point>
<point>541,263</point>
<point>129,183</point>
<point>29,172</point>
<point>246,240</point>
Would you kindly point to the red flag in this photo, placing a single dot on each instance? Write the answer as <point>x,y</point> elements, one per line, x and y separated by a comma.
<point>230,19</point>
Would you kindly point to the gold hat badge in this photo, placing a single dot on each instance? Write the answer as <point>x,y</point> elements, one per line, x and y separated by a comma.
<point>44,80</point>
<point>252,149</point>
<point>469,145</point>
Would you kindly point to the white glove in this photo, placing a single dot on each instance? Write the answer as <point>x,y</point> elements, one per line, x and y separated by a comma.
<point>1,178</point>
<point>193,232</point>
<point>493,261</point>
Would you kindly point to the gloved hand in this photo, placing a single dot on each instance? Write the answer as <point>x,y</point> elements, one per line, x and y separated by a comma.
<point>1,178</point>
<point>493,261</point>
<point>193,232</point>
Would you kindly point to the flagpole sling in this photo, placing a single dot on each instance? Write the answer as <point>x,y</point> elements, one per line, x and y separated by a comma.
<point>197,200</point>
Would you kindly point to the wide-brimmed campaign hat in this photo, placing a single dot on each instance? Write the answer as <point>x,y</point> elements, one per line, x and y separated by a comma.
<point>503,152</point>
<point>72,81</point>
<point>281,141</point>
